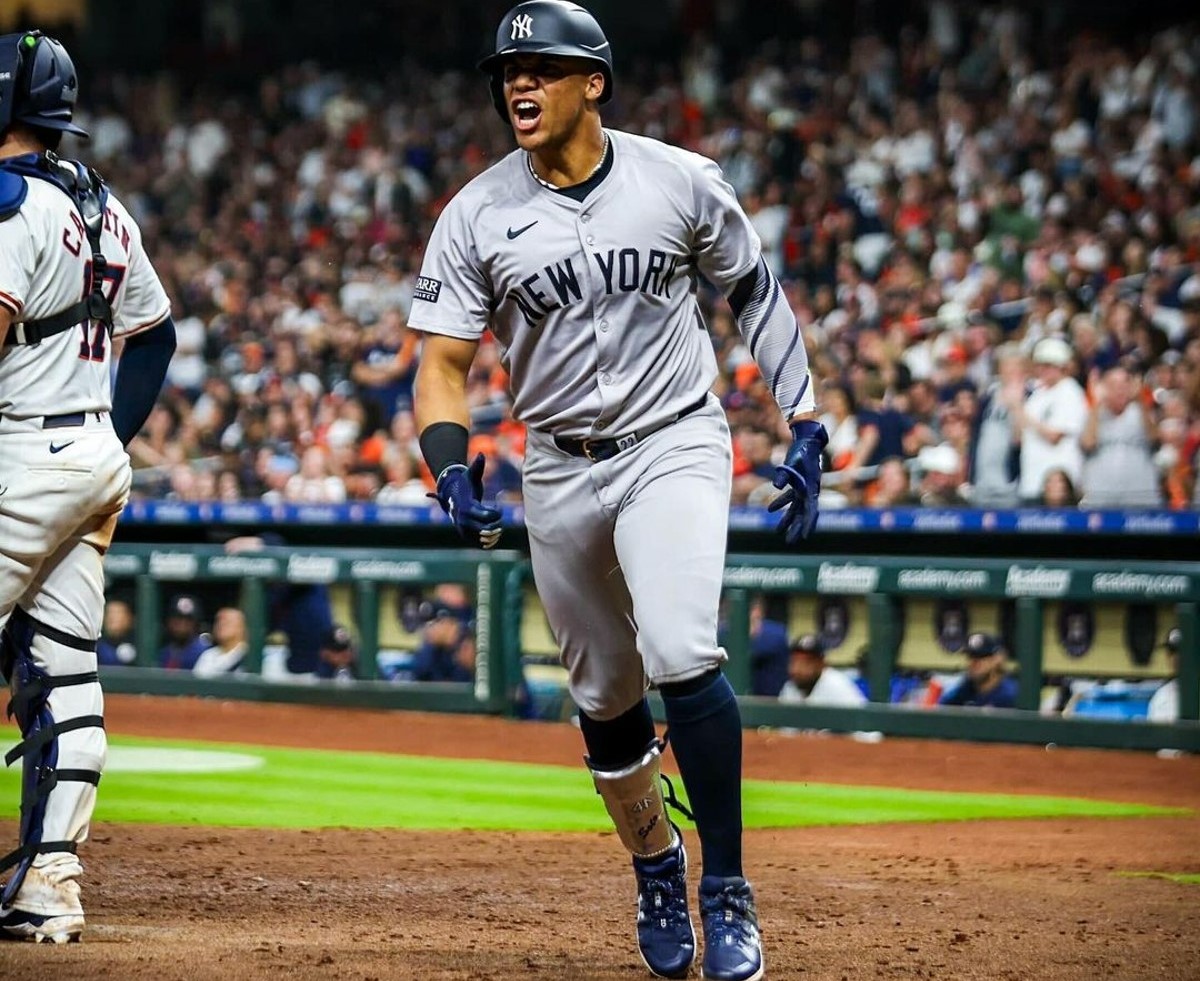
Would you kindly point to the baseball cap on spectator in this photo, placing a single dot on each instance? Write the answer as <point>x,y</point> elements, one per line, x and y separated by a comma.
<point>942,458</point>
<point>809,644</point>
<point>1173,640</point>
<point>1052,350</point>
<point>337,639</point>
<point>980,644</point>
<point>184,606</point>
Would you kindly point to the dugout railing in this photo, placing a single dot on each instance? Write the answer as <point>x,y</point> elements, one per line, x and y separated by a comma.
<point>503,590</point>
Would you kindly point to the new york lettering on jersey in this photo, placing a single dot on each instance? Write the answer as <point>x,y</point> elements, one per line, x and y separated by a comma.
<point>592,302</point>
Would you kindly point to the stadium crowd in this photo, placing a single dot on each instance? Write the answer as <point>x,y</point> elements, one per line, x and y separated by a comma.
<point>993,258</point>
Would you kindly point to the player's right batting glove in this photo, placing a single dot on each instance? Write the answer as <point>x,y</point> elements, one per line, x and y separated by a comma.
<point>801,475</point>
<point>460,493</point>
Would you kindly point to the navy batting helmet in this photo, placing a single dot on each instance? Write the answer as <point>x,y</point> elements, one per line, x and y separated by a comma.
<point>549,27</point>
<point>38,84</point>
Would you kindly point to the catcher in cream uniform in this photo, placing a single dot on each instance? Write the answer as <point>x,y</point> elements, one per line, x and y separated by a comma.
<point>73,278</point>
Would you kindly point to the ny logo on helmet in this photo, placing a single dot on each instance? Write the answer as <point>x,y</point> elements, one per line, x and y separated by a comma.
<point>522,27</point>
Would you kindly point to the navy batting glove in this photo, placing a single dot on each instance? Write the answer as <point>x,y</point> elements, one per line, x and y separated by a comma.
<point>460,493</point>
<point>801,475</point>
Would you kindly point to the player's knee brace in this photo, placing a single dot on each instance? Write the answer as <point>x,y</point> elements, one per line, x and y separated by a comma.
<point>59,707</point>
<point>634,799</point>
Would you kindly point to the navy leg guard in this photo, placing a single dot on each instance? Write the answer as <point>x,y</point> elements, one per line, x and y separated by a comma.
<point>39,748</point>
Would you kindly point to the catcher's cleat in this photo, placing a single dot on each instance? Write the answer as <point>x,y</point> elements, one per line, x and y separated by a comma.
<point>664,928</point>
<point>732,948</point>
<point>16,924</point>
<point>46,908</point>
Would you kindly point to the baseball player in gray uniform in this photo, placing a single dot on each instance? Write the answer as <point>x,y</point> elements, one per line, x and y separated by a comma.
<point>73,276</point>
<point>581,251</point>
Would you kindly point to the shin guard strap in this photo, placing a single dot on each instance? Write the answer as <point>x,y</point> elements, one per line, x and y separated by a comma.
<point>19,855</point>
<point>40,738</point>
<point>39,686</point>
<point>53,633</point>
<point>50,779</point>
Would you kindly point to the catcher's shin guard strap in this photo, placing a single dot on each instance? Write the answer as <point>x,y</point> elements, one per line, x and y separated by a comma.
<point>37,687</point>
<point>28,850</point>
<point>49,733</point>
<point>634,800</point>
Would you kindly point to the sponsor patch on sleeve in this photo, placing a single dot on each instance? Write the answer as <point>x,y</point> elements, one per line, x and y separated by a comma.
<point>427,289</point>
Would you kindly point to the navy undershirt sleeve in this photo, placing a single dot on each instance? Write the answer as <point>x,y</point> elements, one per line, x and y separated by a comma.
<point>140,375</point>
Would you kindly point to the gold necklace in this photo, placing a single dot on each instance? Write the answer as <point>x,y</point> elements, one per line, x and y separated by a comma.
<point>554,187</point>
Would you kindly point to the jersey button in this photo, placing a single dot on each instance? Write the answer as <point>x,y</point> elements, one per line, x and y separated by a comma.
<point>585,218</point>
<point>604,325</point>
<point>591,240</point>
<point>606,378</point>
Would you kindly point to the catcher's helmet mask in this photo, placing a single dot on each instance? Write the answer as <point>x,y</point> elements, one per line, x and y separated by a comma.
<point>548,27</point>
<point>38,83</point>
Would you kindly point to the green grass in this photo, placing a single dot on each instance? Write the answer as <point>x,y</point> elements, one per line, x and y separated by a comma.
<point>1184,878</point>
<point>322,788</point>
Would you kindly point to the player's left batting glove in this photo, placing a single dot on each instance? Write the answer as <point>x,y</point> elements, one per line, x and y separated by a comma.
<point>460,493</point>
<point>801,475</point>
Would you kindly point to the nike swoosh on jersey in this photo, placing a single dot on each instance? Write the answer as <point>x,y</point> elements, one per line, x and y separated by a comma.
<point>521,231</point>
<point>59,449</point>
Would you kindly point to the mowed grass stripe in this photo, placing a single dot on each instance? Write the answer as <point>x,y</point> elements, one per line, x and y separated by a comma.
<point>323,788</point>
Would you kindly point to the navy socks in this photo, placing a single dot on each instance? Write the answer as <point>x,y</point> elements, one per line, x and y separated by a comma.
<point>616,743</point>
<point>705,731</point>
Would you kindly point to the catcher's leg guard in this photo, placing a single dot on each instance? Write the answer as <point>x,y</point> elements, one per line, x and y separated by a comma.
<point>634,799</point>
<point>57,702</point>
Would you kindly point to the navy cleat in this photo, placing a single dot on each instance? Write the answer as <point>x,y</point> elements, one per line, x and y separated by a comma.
<point>732,948</point>
<point>664,928</point>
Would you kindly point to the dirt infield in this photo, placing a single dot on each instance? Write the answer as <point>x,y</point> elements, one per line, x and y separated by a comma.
<point>987,900</point>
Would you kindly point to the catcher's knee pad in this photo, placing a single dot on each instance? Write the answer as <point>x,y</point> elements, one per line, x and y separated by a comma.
<point>634,799</point>
<point>57,703</point>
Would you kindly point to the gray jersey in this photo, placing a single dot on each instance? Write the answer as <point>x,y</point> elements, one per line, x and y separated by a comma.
<point>593,303</point>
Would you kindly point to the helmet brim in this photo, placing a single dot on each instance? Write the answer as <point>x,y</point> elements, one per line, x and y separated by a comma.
<point>494,62</point>
<point>61,125</point>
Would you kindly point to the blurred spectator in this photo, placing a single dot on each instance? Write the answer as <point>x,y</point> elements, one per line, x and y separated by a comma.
<point>302,612</point>
<point>1164,703</point>
<point>117,643</point>
<point>447,649</point>
<point>1058,491</point>
<point>995,440</point>
<point>1118,470</point>
<point>986,682</point>
<point>338,657</point>
<point>1051,420</point>
<point>924,197</point>
<point>755,467</point>
<point>892,487</point>
<point>769,649</point>
<point>812,682</point>
<point>941,470</point>
<point>314,484</point>
<point>841,422</point>
<point>229,646</point>
<point>185,641</point>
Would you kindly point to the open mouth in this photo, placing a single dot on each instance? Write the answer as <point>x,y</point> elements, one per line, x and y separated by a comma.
<point>526,115</point>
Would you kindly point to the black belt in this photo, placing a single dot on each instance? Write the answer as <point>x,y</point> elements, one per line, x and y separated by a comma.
<point>64,421</point>
<point>605,448</point>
